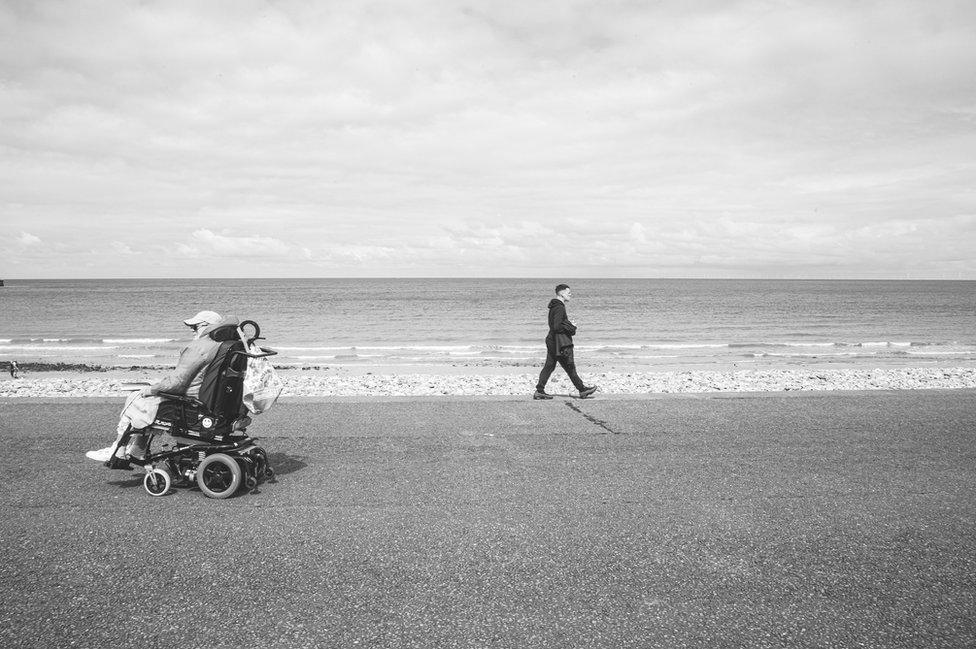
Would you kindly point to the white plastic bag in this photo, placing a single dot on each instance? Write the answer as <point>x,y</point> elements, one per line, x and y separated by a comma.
<point>262,385</point>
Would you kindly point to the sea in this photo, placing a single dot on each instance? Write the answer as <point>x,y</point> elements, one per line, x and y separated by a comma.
<point>626,323</point>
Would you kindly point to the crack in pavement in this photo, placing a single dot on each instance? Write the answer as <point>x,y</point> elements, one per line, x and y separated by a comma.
<point>590,418</point>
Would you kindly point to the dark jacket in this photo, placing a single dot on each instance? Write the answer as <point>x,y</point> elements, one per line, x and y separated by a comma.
<point>561,330</point>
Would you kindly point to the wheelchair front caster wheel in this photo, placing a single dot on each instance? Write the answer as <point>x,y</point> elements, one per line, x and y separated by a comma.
<point>260,459</point>
<point>219,476</point>
<point>157,482</point>
<point>250,482</point>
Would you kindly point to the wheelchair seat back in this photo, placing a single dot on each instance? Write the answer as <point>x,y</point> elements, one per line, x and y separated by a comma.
<point>221,394</point>
<point>222,388</point>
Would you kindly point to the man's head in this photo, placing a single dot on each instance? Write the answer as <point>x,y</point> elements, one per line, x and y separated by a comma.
<point>563,292</point>
<point>202,320</point>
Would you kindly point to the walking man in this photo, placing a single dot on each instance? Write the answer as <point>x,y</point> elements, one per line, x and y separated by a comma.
<point>559,346</point>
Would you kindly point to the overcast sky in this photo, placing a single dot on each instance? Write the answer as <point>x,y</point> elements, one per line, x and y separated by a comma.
<point>527,138</point>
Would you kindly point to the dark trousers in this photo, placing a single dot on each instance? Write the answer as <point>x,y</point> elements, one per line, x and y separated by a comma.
<point>566,360</point>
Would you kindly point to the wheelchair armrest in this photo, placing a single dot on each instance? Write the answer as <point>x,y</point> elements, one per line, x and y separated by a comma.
<point>181,397</point>
<point>265,351</point>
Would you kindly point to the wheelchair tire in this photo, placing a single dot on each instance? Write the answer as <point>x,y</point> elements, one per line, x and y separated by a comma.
<point>219,476</point>
<point>157,482</point>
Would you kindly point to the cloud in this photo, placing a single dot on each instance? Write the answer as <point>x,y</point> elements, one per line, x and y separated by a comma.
<point>121,248</point>
<point>205,244</point>
<point>364,254</point>
<point>448,138</point>
<point>26,239</point>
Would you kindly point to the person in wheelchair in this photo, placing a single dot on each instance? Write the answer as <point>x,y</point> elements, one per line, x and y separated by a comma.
<point>146,406</point>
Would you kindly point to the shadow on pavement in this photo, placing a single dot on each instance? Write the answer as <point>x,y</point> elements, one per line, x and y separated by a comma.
<point>283,464</point>
<point>131,481</point>
<point>570,396</point>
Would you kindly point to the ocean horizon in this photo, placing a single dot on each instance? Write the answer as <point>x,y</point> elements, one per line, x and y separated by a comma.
<point>499,322</point>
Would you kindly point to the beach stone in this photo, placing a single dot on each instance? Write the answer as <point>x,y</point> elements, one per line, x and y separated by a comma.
<point>610,383</point>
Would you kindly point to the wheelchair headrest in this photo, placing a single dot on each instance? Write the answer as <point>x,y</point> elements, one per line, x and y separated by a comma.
<point>224,333</point>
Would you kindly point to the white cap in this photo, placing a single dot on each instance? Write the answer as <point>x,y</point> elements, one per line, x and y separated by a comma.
<point>204,317</point>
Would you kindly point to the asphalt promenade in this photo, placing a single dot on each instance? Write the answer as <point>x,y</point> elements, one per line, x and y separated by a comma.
<point>770,520</point>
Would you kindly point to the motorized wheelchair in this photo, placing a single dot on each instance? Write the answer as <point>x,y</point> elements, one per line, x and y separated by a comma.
<point>207,441</point>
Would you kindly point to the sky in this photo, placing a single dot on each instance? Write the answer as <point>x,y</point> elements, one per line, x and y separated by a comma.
<point>531,138</point>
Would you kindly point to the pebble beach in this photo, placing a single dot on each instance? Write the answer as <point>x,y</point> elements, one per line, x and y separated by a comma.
<point>325,384</point>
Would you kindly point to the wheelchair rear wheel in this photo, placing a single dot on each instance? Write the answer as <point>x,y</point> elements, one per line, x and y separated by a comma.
<point>219,476</point>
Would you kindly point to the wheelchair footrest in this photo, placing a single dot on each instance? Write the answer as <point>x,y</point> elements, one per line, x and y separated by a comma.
<point>116,462</point>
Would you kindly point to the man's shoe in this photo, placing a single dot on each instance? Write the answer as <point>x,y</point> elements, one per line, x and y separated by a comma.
<point>541,394</point>
<point>587,392</point>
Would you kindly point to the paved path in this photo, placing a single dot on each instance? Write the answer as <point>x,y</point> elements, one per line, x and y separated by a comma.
<point>813,520</point>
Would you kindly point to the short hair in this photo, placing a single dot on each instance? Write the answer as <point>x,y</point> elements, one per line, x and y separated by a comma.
<point>561,287</point>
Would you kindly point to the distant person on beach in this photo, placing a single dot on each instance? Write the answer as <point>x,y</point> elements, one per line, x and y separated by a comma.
<point>141,407</point>
<point>559,346</point>
<point>14,369</point>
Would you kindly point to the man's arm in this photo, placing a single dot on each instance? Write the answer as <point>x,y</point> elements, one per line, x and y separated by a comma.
<point>563,325</point>
<point>191,361</point>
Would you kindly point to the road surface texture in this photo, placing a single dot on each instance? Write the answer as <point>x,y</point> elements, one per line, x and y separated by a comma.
<point>762,520</point>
